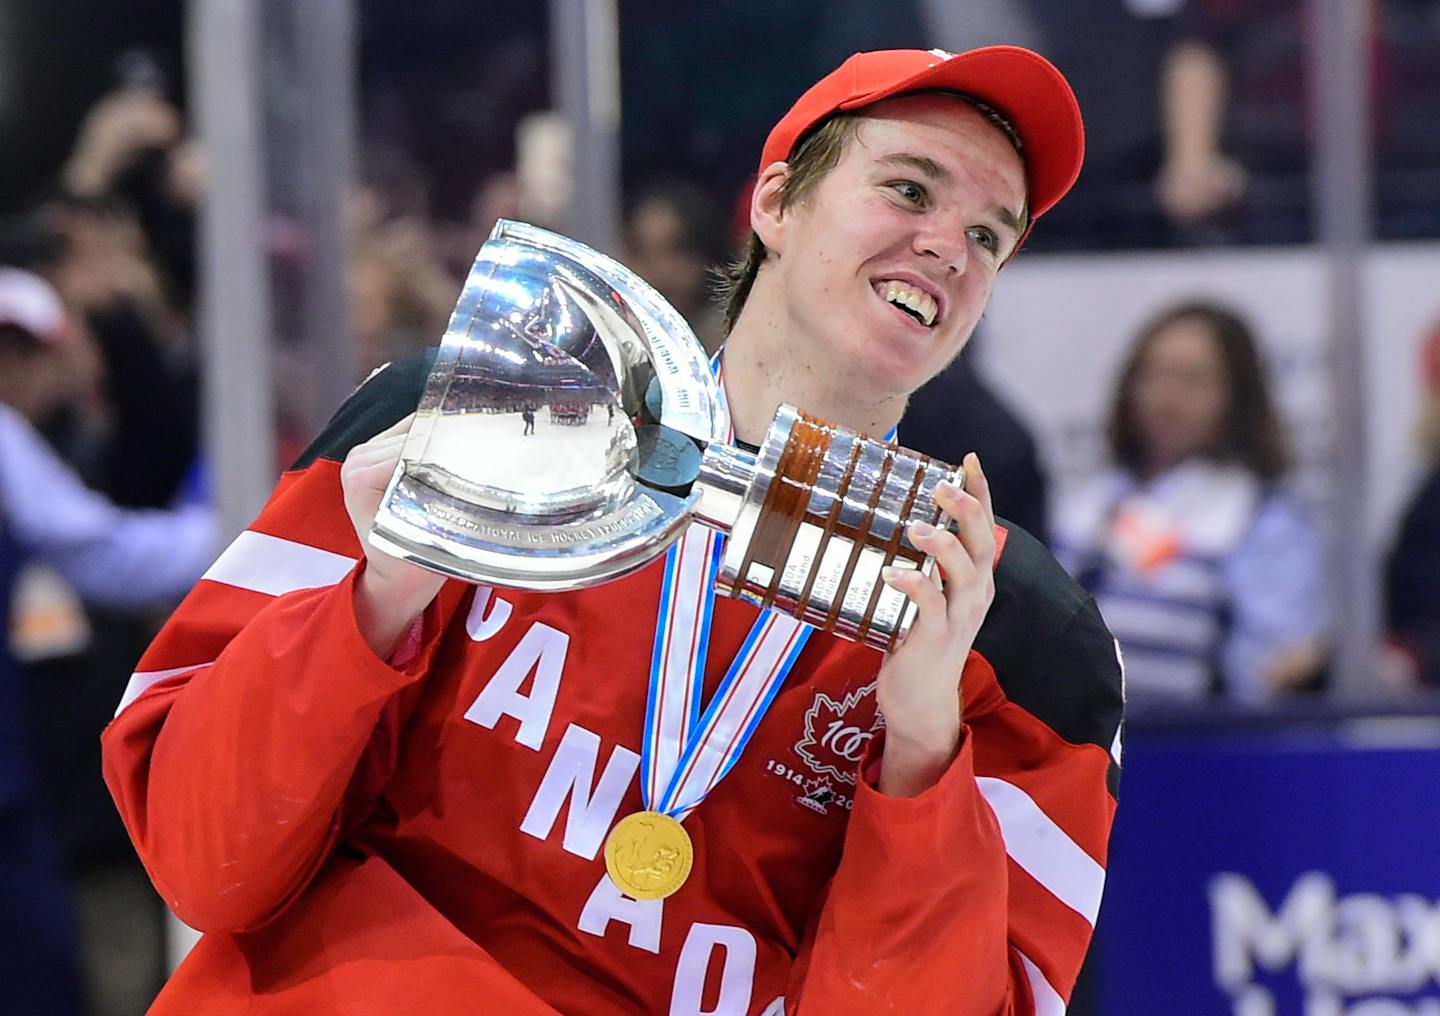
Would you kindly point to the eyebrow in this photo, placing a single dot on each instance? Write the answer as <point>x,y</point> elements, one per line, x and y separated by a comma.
<point>920,164</point>
<point>929,167</point>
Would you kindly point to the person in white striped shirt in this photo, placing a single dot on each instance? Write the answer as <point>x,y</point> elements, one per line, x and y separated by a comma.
<point>111,556</point>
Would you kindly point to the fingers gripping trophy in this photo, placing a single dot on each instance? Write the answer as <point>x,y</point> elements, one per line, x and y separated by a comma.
<point>632,451</point>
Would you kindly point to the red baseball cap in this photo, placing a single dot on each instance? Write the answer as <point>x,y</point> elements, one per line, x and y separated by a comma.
<point>1021,85</point>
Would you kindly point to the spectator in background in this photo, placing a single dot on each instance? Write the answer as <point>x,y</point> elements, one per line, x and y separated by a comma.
<point>105,378</point>
<point>132,428</point>
<point>46,362</point>
<point>132,150</point>
<point>1412,570</point>
<point>114,238</point>
<point>1204,566</point>
<point>1200,178</point>
<point>116,557</point>
<point>400,289</point>
<point>1239,132</point>
<point>674,233</point>
<point>400,293</point>
<point>499,196</point>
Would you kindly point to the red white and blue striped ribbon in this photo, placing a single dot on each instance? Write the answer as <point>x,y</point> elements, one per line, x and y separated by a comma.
<point>686,752</point>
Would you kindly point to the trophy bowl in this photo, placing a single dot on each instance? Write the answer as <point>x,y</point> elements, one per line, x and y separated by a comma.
<point>563,381</point>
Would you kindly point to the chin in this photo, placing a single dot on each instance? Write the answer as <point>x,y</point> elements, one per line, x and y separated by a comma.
<point>899,366</point>
<point>878,363</point>
<point>877,382</point>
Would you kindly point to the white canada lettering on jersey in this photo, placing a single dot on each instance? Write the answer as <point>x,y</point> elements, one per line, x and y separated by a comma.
<point>737,977</point>
<point>480,623</point>
<point>607,904</point>
<point>592,809</point>
<point>542,649</point>
<point>571,775</point>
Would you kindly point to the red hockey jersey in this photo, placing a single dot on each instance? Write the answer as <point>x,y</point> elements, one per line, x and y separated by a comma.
<point>424,834</point>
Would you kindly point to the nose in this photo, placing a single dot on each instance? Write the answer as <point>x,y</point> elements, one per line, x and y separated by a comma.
<point>944,242</point>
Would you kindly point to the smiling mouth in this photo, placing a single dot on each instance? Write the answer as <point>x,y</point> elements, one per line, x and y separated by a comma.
<point>916,303</point>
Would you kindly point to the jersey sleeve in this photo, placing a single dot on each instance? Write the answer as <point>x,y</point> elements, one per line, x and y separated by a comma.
<point>980,895</point>
<point>260,724</point>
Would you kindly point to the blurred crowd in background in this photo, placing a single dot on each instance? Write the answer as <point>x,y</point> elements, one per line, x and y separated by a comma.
<point>1210,565</point>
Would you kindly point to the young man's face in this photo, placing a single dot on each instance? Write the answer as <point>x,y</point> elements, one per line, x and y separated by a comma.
<point>922,209</point>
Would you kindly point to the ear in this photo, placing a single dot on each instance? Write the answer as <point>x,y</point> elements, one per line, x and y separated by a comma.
<point>766,218</point>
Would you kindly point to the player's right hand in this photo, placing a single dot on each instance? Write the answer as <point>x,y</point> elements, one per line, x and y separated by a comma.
<point>391,593</point>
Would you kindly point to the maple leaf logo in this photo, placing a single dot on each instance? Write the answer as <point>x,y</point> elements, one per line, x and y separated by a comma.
<point>837,733</point>
<point>818,793</point>
<point>815,786</point>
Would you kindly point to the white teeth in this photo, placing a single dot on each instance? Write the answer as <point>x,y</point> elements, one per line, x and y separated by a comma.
<point>904,295</point>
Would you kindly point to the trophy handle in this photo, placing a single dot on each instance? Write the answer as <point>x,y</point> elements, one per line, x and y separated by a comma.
<point>814,516</point>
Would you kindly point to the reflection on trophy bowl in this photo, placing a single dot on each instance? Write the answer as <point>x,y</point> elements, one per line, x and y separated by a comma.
<point>575,457</point>
<point>533,457</point>
<point>571,429</point>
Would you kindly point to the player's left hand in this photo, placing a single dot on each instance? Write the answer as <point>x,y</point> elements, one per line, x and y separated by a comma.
<point>919,684</point>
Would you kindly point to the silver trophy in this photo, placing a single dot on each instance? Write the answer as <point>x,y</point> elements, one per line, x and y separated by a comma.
<point>572,427</point>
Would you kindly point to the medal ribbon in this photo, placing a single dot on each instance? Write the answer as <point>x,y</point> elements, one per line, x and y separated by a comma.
<point>686,753</point>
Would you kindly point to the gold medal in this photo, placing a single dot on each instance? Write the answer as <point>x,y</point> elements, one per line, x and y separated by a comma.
<point>648,855</point>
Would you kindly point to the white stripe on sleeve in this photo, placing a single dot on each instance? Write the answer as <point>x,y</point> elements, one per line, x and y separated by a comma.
<point>141,680</point>
<point>1047,1000</point>
<point>275,566</point>
<point>1043,849</point>
<point>261,564</point>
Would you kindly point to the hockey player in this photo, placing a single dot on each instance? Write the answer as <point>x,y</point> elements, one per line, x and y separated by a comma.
<point>379,791</point>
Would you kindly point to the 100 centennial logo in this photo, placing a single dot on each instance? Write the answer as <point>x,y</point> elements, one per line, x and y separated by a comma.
<point>838,733</point>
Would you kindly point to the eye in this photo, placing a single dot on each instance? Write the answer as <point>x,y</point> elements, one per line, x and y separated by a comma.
<point>912,192</point>
<point>986,238</point>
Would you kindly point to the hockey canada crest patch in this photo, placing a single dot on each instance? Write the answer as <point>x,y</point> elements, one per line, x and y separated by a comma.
<point>837,733</point>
